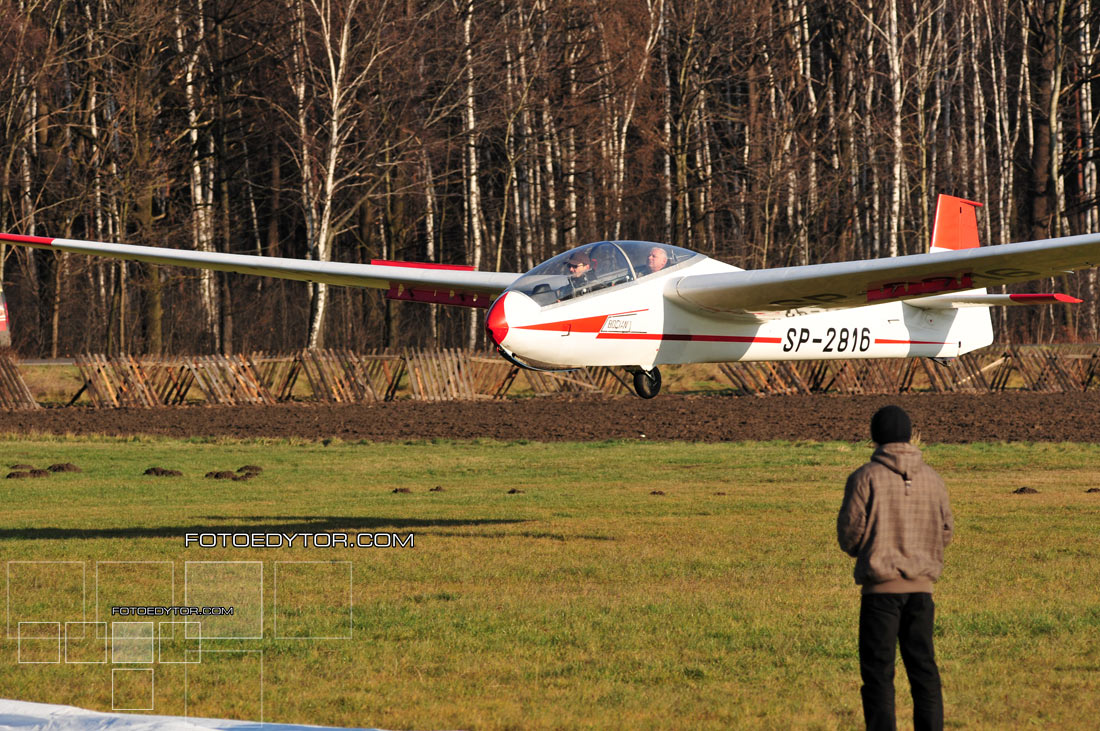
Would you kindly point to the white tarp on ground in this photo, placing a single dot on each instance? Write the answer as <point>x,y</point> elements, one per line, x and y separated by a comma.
<point>46,716</point>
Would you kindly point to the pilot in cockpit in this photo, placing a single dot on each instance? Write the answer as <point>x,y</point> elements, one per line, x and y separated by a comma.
<point>580,275</point>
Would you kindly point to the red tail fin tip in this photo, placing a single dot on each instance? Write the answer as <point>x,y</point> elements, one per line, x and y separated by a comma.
<point>956,224</point>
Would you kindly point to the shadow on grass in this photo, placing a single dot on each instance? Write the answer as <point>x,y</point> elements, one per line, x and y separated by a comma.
<point>260,524</point>
<point>562,537</point>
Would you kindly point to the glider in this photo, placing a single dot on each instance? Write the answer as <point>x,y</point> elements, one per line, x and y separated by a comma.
<point>639,305</point>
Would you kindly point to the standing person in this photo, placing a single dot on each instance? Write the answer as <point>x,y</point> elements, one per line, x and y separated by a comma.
<point>895,520</point>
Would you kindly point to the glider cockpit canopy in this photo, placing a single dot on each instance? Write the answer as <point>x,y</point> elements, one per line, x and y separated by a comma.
<point>598,266</point>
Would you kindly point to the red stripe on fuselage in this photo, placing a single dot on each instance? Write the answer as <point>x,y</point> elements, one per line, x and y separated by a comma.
<point>580,325</point>
<point>883,341</point>
<point>595,324</point>
<point>688,338</point>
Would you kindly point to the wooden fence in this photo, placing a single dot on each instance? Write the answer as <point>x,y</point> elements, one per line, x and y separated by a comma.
<point>151,382</point>
<point>14,394</point>
<point>327,375</point>
<point>1030,368</point>
<point>340,376</point>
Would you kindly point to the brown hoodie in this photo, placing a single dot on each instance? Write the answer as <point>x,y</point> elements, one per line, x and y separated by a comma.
<point>895,520</point>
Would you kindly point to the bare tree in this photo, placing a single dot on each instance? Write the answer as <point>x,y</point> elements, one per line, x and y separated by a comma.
<point>335,47</point>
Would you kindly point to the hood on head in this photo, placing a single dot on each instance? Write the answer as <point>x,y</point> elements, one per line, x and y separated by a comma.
<point>901,457</point>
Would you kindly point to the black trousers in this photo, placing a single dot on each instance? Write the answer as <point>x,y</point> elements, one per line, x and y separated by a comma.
<point>906,619</point>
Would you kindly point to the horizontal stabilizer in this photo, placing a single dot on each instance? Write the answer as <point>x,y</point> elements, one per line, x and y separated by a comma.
<point>955,301</point>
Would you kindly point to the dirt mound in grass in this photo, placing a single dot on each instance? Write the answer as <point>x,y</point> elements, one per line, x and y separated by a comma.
<point>162,472</point>
<point>954,418</point>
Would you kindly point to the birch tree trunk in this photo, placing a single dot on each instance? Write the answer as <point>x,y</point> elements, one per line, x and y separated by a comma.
<point>549,146</point>
<point>666,128</point>
<point>189,43</point>
<point>893,55</point>
<point>473,186</point>
<point>873,223</point>
<point>1089,56</point>
<point>429,234</point>
<point>346,38</point>
<point>27,113</point>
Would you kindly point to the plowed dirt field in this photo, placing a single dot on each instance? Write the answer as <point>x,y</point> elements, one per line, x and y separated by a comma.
<point>957,418</point>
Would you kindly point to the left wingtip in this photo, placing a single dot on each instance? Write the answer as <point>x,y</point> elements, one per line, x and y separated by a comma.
<point>26,240</point>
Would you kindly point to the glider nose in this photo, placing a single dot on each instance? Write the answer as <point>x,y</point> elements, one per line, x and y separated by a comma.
<point>496,323</point>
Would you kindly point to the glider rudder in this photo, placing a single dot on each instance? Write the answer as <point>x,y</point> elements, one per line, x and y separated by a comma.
<point>956,224</point>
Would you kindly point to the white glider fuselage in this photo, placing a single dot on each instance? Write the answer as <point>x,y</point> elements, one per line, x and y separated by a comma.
<point>635,324</point>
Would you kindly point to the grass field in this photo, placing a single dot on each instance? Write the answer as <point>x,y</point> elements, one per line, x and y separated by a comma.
<point>582,601</point>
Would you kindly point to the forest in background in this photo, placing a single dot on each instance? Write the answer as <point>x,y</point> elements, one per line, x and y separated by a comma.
<point>498,133</point>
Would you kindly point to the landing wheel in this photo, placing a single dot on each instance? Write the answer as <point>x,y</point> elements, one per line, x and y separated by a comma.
<point>647,384</point>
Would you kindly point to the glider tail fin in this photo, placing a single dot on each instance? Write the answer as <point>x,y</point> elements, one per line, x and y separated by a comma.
<point>956,227</point>
<point>956,224</point>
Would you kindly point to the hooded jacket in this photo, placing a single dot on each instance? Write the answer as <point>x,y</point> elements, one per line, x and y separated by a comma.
<point>895,520</point>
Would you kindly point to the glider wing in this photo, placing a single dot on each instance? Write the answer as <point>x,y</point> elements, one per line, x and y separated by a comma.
<point>440,283</point>
<point>872,281</point>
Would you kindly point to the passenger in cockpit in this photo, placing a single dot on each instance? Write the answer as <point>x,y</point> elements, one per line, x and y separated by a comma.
<point>655,262</point>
